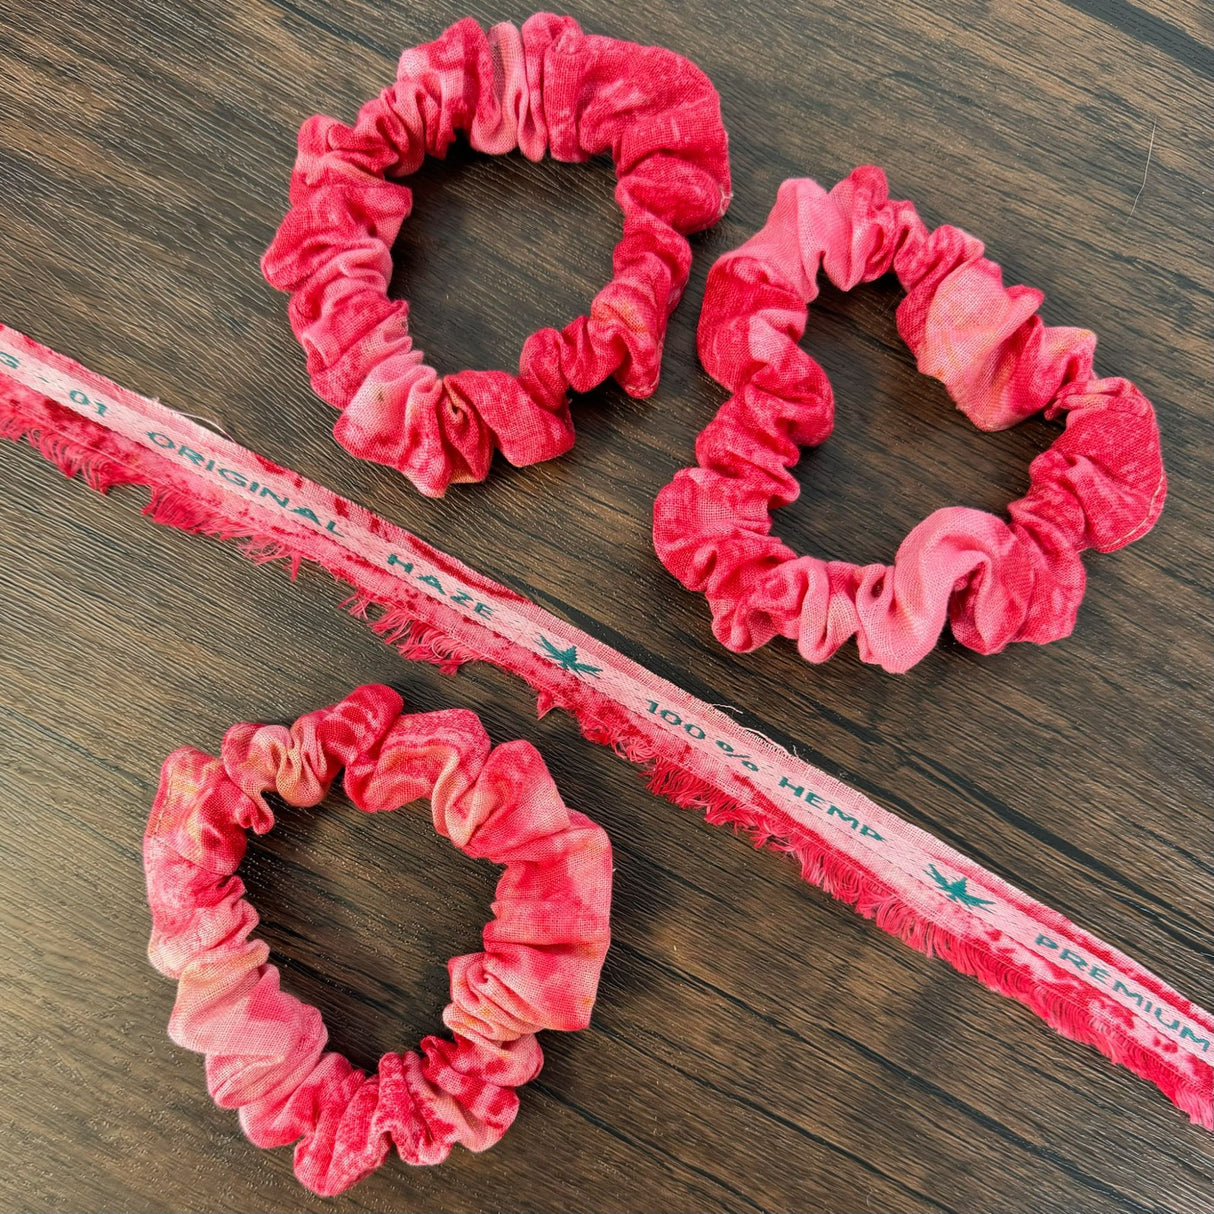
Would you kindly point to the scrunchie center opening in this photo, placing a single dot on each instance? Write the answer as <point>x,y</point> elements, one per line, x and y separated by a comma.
<point>897,439</point>
<point>361,912</point>
<point>498,247</point>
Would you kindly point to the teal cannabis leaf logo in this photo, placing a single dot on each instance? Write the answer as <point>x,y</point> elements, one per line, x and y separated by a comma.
<point>567,659</point>
<point>956,890</point>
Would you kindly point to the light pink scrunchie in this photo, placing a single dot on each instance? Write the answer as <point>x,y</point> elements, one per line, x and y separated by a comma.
<point>265,1049</point>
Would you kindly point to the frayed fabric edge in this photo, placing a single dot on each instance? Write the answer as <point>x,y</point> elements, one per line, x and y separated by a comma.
<point>67,442</point>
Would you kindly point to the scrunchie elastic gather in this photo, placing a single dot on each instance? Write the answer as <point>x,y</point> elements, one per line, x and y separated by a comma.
<point>265,1049</point>
<point>545,88</point>
<point>1100,485</point>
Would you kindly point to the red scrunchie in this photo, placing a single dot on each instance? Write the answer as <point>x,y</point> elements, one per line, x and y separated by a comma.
<point>548,87</point>
<point>1101,485</point>
<point>265,1049</point>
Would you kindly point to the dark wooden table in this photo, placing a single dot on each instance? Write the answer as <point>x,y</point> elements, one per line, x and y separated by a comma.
<point>756,1045</point>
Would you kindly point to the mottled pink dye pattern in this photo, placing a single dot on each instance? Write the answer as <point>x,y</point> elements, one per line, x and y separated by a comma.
<point>265,1049</point>
<point>545,88</point>
<point>1101,485</point>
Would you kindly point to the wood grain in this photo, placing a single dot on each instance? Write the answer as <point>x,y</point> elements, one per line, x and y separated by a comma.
<point>756,1045</point>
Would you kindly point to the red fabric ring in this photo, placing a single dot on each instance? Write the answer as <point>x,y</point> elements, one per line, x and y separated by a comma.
<point>546,87</point>
<point>264,1048</point>
<point>1100,485</point>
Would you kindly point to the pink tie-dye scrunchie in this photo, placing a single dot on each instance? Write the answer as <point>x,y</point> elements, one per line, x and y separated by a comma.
<point>545,88</point>
<point>265,1049</point>
<point>1100,485</point>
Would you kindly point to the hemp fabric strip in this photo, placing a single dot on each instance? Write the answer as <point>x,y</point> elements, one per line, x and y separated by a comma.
<point>1100,485</point>
<point>434,608</point>
<point>544,88</point>
<point>265,1049</point>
